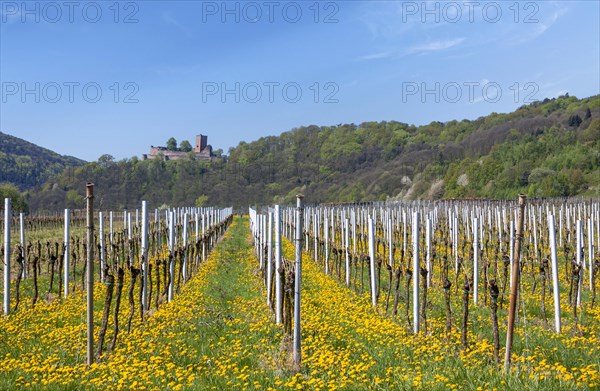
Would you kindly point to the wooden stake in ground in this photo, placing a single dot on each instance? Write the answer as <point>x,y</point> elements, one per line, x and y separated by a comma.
<point>89,195</point>
<point>298,283</point>
<point>515,278</point>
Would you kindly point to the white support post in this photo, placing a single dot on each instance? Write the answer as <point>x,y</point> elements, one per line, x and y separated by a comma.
<point>554,261</point>
<point>511,246</point>
<point>129,237</point>
<point>185,236</point>
<point>269,256</point>
<point>278,290</point>
<point>316,236</point>
<point>591,250</point>
<point>102,244</point>
<point>171,254</point>
<point>23,247</point>
<point>416,272</point>
<point>261,241</point>
<point>390,245</point>
<point>110,223</point>
<point>66,260</point>
<point>203,239</point>
<point>579,257</point>
<point>347,250</point>
<point>297,352</point>
<point>475,261</point>
<point>326,231</point>
<point>7,219</point>
<point>428,244</point>
<point>144,255</point>
<point>371,226</point>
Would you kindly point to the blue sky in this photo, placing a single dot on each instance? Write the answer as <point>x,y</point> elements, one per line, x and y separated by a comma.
<point>88,78</point>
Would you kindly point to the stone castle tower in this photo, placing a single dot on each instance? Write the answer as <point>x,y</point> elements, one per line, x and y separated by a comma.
<point>201,151</point>
<point>201,143</point>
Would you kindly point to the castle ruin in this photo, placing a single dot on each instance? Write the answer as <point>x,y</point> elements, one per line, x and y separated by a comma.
<point>201,151</point>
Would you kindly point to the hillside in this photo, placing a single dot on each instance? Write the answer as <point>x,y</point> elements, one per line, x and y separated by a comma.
<point>27,165</point>
<point>545,149</point>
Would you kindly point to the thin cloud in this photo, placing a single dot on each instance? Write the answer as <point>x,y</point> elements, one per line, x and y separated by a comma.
<point>540,28</point>
<point>167,18</point>
<point>436,46</point>
<point>374,56</point>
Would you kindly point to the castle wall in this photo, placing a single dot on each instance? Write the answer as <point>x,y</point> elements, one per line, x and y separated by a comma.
<point>201,151</point>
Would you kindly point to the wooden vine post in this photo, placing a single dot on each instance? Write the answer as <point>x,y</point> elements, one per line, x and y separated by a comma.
<point>89,195</point>
<point>515,279</point>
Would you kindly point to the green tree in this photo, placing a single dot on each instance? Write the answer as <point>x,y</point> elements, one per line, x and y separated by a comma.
<point>106,160</point>
<point>201,201</point>
<point>172,144</point>
<point>8,190</point>
<point>74,200</point>
<point>185,146</point>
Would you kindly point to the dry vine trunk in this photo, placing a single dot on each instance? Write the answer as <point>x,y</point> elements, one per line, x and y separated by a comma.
<point>19,259</point>
<point>120,275</point>
<point>110,284</point>
<point>494,293</point>
<point>134,274</point>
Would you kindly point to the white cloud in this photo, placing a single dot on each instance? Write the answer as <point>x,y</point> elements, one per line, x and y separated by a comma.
<point>436,45</point>
<point>540,27</point>
<point>374,56</point>
<point>167,18</point>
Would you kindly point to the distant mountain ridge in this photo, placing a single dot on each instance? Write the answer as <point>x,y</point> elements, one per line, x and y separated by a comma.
<point>27,165</point>
<point>549,148</point>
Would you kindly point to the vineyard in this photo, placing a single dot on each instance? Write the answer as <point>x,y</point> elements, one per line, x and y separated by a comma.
<point>317,297</point>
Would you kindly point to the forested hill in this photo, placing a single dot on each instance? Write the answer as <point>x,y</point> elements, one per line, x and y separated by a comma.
<point>27,165</point>
<point>545,149</point>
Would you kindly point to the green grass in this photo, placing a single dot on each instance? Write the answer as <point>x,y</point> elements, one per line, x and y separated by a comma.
<point>219,334</point>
